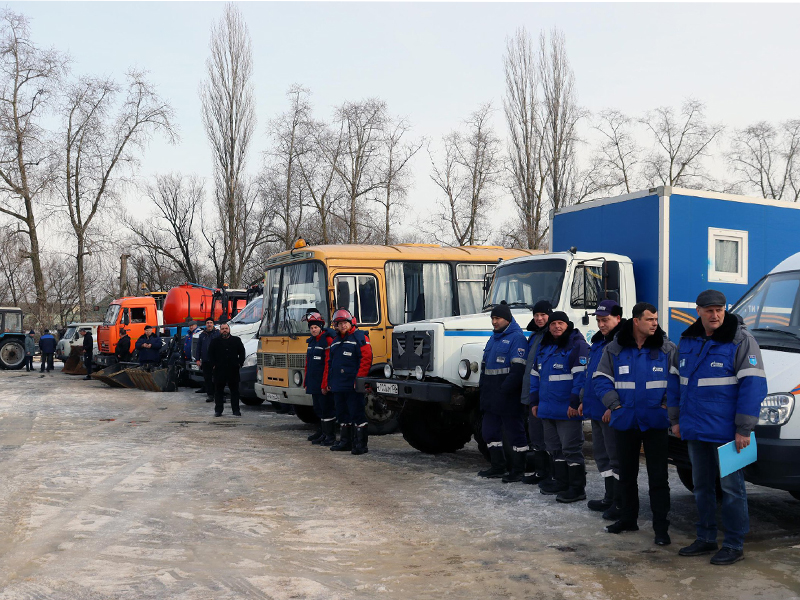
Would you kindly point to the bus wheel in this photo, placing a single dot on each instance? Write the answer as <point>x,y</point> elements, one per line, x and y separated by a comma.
<point>382,419</point>
<point>12,354</point>
<point>306,414</point>
<point>795,495</point>
<point>430,429</point>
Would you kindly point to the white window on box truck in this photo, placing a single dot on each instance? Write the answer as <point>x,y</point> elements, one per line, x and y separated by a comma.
<point>771,311</point>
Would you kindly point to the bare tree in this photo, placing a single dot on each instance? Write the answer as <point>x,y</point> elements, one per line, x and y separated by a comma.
<point>526,163</point>
<point>680,144</point>
<point>101,148</point>
<point>172,233</point>
<point>229,119</point>
<point>316,162</point>
<point>561,115</point>
<point>397,154</point>
<point>467,176</point>
<point>358,147</point>
<point>28,79</point>
<point>618,151</point>
<point>14,267</point>
<point>767,158</point>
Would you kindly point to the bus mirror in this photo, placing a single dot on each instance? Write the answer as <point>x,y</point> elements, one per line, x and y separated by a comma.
<point>610,276</point>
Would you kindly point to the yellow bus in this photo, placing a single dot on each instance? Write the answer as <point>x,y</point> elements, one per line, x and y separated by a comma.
<point>382,286</point>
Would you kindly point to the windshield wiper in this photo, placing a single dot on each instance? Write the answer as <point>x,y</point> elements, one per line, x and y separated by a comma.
<point>518,304</point>
<point>770,330</point>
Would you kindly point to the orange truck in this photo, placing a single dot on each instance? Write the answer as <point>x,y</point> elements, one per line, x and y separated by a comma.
<point>163,309</point>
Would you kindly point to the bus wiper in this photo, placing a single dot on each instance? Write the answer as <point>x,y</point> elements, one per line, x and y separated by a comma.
<point>783,331</point>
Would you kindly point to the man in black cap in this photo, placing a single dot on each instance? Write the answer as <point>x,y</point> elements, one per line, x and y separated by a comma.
<point>502,374</point>
<point>88,351</point>
<point>722,385</point>
<point>123,348</point>
<point>30,350</point>
<point>149,348</point>
<point>541,460</point>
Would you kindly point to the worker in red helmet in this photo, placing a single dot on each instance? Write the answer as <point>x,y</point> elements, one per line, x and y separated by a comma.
<point>349,357</point>
<point>315,374</point>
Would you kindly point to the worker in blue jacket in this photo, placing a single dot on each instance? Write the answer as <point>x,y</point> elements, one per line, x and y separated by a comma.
<point>502,375</point>
<point>555,383</point>
<point>148,347</point>
<point>187,340</point>
<point>635,378</point>
<point>316,374</point>
<point>604,446</point>
<point>47,346</point>
<point>722,385</point>
<point>541,460</point>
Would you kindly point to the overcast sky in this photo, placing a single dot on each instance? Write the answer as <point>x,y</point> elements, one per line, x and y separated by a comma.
<point>436,63</point>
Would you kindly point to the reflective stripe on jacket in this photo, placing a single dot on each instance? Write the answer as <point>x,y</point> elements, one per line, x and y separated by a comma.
<point>350,356</point>
<point>593,407</point>
<point>503,370</point>
<point>317,361</point>
<point>558,374</point>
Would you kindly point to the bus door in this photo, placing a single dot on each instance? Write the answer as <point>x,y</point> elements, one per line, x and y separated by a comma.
<point>360,294</point>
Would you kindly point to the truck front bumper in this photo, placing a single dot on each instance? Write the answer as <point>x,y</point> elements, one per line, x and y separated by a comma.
<point>295,395</point>
<point>406,389</point>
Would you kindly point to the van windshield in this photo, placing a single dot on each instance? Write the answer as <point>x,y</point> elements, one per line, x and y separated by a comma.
<point>69,333</point>
<point>771,311</point>
<point>111,314</point>
<point>249,314</point>
<point>525,283</point>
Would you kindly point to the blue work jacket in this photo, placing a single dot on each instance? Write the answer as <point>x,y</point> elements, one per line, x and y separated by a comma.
<point>503,370</point>
<point>593,407</point>
<point>317,361</point>
<point>558,374</point>
<point>350,356</point>
<point>149,355</point>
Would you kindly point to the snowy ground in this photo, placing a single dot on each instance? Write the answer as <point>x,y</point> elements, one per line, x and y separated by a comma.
<point>126,494</point>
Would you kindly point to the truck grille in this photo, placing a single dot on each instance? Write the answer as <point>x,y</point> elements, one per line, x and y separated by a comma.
<point>271,359</point>
<point>411,349</point>
<point>297,361</point>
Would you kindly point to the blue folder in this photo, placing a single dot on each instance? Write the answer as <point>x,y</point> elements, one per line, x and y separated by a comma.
<point>731,461</point>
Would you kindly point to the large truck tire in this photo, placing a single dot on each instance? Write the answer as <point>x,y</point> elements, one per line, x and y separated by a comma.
<point>306,414</point>
<point>381,419</point>
<point>12,354</point>
<point>252,401</point>
<point>432,430</point>
<point>795,495</point>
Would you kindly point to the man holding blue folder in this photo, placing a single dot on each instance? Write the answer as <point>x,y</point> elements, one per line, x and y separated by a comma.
<point>722,386</point>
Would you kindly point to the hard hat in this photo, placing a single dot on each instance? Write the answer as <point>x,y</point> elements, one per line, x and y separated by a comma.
<point>342,315</point>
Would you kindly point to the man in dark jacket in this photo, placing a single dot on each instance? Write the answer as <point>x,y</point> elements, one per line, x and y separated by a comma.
<point>123,349</point>
<point>502,373</point>
<point>541,460</point>
<point>204,340</point>
<point>148,347</point>
<point>315,374</point>
<point>88,351</point>
<point>30,350</point>
<point>634,379</point>
<point>722,386</point>
<point>604,444</point>
<point>187,341</point>
<point>47,346</point>
<point>556,381</point>
<point>226,355</point>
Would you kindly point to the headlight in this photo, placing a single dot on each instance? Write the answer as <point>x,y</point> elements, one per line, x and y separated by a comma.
<point>387,371</point>
<point>419,373</point>
<point>297,378</point>
<point>250,361</point>
<point>259,375</point>
<point>463,369</point>
<point>776,409</point>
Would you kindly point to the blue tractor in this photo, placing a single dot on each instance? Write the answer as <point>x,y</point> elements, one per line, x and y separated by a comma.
<point>12,338</point>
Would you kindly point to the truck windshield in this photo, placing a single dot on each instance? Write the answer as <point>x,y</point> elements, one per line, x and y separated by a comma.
<point>111,314</point>
<point>69,333</point>
<point>290,292</point>
<point>525,283</point>
<point>250,313</point>
<point>771,311</point>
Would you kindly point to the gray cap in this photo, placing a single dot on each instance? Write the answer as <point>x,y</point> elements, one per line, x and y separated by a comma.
<point>711,298</point>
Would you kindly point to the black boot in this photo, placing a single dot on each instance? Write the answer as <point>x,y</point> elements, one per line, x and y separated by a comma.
<point>345,443</point>
<point>316,435</point>
<point>560,481</point>
<point>360,440</point>
<point>577,485</point>
<point>517,470</point>
<point>541,463</point>
<point>661,528</point>
<point>498,460</point>
<point>328,433</point>
<point>607,500</point>
<point>614,512</point>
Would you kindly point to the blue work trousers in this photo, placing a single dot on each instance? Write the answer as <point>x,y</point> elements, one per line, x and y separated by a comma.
<point>349,408</point>
<point>324,406</point>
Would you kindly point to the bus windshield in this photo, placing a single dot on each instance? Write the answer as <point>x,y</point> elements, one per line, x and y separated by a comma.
<point>771,311</point>
<point>291,291</point>
<point>525,283</point>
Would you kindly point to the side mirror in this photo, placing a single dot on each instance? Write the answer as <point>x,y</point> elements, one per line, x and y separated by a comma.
<point>610,276</point>
<point>585,318</point>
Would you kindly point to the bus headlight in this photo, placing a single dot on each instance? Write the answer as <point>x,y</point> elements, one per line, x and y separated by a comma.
<point>776,409</point>
<point>387,371</point>
<point>260,375</point>
<point>297,378</point>
<point>419,373</point>
<point>250,361</point>
<point>464,369</point>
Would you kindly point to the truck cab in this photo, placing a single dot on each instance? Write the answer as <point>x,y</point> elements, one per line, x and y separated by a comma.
<point>435,366</point>
<point>131,312</point>
<point>12,338</point>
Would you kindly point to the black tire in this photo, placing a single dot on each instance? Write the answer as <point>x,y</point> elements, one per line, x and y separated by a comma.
<point>306,414</point>
<point>252,401</point>
<point>430,429</point>
<point>795,495</point>
<point>382,419</point>
<point>12,354</point>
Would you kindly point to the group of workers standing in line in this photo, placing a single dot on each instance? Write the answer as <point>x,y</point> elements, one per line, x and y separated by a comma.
<point>634,384</point>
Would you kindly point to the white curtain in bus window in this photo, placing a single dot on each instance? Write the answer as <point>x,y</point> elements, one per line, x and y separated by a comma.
<point>396,293</point>
<point>470,288</point>
<point>437,290</point>
<point>726,256</point>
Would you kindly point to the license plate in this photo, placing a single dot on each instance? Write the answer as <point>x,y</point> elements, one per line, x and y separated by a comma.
<point>272,397</point>
<point>387,388</point>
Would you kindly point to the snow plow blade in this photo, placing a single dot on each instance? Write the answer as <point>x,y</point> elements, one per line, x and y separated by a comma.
<point>116,376</point>
<point>159,380</point>
<point>74,363</point>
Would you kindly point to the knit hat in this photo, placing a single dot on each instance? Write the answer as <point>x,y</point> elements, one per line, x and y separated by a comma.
<point>559,315</point>
<point>31,332</point>
<point>503,311</point>
<point>543,306</point>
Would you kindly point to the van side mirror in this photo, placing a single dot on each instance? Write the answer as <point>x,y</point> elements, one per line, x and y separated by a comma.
<point>611,276</point>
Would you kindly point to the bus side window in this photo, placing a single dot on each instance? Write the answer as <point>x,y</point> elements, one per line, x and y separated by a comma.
<point>343,294</point>
<point>368,300</point>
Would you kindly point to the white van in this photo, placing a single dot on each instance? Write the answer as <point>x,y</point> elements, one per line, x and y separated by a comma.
<point>72,339</point>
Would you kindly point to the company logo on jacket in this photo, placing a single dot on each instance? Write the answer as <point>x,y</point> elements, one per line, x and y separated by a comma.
<point>658,369</point>
<point>557,366</point>
<point>717,364</point>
